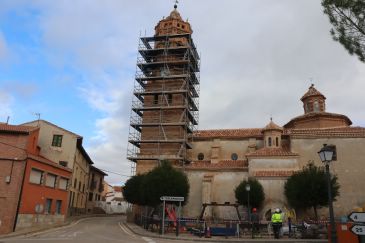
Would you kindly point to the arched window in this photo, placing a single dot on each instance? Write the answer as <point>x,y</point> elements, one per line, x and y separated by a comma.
<point>269,141</point>
<point>234,156</point>
<point>307,107</point>
<point>316,106</point>
<point>277,141</point>
<point>200,156</point>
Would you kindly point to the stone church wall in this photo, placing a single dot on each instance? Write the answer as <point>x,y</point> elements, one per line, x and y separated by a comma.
<point>349,167</point>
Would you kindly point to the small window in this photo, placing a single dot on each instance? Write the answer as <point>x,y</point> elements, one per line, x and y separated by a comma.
<point>36,176</point>
<point>58,206</point>
<point>48,207</point>
<point>57,140</point>
<point>63,183</point>
<point>234,156</point>
<point>79,185</point>
<point>155,99</point>
<point>200,156</point>
<point>75,183</point>
<point>183,26</point>
<point>277,141</point>
<point>269,142</point>
<point>51,180</point>
<point>169,98</point>
<point>63,163</point>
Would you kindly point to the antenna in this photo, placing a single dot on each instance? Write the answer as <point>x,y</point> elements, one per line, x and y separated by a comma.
<point>7,120</point>
<point>38,115</point>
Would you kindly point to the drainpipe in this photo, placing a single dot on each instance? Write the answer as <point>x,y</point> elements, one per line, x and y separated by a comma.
<point>20,194</point>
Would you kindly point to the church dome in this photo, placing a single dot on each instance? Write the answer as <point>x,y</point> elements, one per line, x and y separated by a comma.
<point>312,92</point>
<point>272,126</point>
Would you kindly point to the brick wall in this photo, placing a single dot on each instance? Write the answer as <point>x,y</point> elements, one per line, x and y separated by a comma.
<point>9,192</point>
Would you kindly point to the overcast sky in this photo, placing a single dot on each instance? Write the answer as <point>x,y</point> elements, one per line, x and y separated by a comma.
<point>74,63</point>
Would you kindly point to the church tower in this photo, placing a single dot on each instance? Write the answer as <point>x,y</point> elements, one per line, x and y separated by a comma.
<point>165,97</point>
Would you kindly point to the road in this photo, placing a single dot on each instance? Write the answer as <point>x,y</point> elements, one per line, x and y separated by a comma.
<point>98,229</point>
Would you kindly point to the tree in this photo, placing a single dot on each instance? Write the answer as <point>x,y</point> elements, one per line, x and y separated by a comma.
<point>308,188</point>
<point>133,190</point>
<point>164,180</point>
<point>257,195</point>
<point>348,20</point>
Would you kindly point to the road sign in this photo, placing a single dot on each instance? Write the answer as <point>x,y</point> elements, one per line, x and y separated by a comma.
<point>357,217</point>
<point>174,199</point>
<point>358,229</point>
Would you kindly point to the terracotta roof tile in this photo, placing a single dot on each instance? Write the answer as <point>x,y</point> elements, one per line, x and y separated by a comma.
<point>223,164</point>
<point>272,126</point>
<point>274,173</point>
<point>312,92</point>
<point>347,132</point>
<point>271,152</point>
<point>16,128</point>
<point>117,188</point>
<point>229,133</point>
<point>318,114</point>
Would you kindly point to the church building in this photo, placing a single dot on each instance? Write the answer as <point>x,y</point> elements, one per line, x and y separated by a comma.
<point>163,127</point>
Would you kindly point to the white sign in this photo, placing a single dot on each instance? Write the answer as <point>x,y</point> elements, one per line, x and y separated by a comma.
<point>174,199</point>
<point>38,208</point>
<point>357,217</point>
<point>358,229</point>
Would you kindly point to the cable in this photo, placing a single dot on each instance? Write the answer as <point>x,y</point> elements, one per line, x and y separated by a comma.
<point>116,173</point>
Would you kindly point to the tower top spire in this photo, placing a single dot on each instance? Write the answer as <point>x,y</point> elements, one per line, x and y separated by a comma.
<point>175,5</point>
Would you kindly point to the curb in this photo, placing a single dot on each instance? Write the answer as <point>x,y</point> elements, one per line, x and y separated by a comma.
<point>246,240</point>
<point>67,224</point>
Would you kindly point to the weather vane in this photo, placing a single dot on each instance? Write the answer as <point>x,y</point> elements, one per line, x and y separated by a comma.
<point>176,2</point>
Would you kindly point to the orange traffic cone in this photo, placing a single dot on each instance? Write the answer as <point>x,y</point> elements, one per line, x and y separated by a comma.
<point>207,233</point>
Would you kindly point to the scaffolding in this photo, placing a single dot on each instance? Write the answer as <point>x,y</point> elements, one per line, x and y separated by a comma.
<point>165,103</point>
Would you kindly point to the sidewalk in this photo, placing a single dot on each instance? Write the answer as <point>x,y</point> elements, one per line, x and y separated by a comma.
<point>69,222</point>
<point>189,237</point>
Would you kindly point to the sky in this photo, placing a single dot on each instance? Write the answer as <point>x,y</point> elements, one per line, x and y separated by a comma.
<point>74,62</point>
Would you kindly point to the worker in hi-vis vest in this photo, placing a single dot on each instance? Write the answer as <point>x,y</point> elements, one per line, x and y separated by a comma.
<point>277,222</point>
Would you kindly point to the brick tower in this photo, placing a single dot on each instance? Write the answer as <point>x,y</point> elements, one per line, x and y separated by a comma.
<point>165,101</point>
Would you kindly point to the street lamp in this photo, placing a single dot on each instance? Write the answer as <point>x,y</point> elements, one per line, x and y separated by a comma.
<point>326,154</point>
<point>248,188</point>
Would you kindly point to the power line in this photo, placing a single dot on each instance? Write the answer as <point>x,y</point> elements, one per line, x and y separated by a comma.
<point>115,173</point>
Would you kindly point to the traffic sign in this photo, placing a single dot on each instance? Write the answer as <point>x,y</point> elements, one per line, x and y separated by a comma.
<point>357,217</point>
<point>358,229</point>
<point>174,199</point>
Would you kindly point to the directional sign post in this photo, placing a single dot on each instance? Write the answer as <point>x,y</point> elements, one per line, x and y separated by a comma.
<point>171,199</point>
<point>357,217</point>
<point>358,229</point>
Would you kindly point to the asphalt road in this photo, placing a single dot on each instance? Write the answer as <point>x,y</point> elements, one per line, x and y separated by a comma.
<point>90,230</point>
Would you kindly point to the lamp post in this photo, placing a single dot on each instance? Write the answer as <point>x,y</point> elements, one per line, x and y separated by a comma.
<point>326,156</point>
<point>248,188</point>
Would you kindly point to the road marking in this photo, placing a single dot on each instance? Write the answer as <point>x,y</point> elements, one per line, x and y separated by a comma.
<point>126,230</point>
<point>149,240</point>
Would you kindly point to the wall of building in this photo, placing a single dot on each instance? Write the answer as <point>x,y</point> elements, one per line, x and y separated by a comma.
<point>9,192</point>
<point>214,186</point>
<point>79,184</point>
<point>64,153</point>
<point>33,194</point>
<point>349,168</point>
<point>96,188</point>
